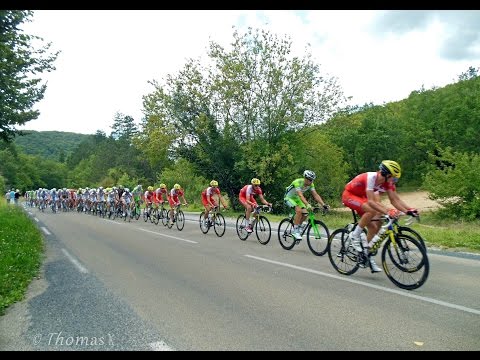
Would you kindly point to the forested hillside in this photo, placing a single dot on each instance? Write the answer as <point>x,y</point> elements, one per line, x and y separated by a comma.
<point>53,145</point>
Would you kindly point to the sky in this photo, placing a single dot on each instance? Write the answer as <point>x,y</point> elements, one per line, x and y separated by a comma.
<point>108,57</point>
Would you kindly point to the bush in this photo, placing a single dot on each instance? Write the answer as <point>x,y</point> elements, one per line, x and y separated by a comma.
<point>454,181</point>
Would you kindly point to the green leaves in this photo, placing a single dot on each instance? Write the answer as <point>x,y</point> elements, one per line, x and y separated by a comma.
<point>20,64</point>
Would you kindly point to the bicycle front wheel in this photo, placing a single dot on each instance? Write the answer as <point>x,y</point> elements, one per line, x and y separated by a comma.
<point>285,237</point>
<point>240,226</point>
<point>219,225</point>
<point>405,263</point>
<point>203,224</point>
<point>263,230</point>
<point>342,256</point>
<point>180,220</point>
<point>413,233</point>
<point>137,212</point>
<point>317,238</point>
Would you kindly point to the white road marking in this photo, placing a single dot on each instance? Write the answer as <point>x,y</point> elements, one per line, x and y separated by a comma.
<point>173,237</point>
<point>36,219</point>
<point>45,230</point>
<point>75,262</point>
<point>160,346</point>
<point>378,287</point>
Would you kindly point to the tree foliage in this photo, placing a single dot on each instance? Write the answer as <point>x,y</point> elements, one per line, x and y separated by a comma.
<point>20,65</point>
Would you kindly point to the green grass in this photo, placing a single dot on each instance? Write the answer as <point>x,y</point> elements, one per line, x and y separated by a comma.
<point>21,249</point>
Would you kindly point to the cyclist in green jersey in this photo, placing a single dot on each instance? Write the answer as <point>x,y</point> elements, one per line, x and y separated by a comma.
<point>295,199</point>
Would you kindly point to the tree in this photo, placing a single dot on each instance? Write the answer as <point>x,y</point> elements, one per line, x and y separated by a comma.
<point>20,64</point>
<point>123,127</point>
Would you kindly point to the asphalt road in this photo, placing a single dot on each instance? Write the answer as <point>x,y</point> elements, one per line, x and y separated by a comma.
<point>114,285</point>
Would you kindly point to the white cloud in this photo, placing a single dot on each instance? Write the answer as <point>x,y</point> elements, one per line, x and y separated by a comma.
<point>108,57</point>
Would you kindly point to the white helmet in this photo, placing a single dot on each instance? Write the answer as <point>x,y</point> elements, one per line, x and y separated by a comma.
<point>127,190</point>
<point>309,174</point>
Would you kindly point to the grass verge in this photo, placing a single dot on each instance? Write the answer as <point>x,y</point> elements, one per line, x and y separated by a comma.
<point>21,249</point>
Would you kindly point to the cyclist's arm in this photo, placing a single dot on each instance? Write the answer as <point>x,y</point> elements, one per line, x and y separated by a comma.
<point>374,204</point>
<point>224,203</point>
<point>262,199</point>
<point>317,197</point>
<point>395,200</point>
<point>183,197</point>
<point>300,195</point>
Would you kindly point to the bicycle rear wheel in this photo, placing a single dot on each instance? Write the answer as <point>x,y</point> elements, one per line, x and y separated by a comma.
<point>406,265</point>
<point>219,225</point>
<point>263,230</point>
<point>317,239</point>
<point>203,224</point>
<point>285,237</point>
<point>180,220</point>
<point>342,256</point>
<point>240,226</point>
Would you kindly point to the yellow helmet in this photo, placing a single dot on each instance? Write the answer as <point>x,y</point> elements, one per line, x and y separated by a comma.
<point>163,186</point>
<point>255,181</point>
<point>176,186</point>
<point>214,183</point>
<point>390,167</point>
<point>150,188</point>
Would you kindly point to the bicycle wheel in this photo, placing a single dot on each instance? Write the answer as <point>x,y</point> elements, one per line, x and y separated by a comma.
<point>240,226</point>
<point>145,215</point>
<point>410,232</point>
<point>203,224</point>
<point>342,256</point>
<point>285,238</point>
<point>263,230</point>
<point>219,225</point>
<point>169,223</point>
<point>317,238</point>
<point>180,220</point>
<point>164,217</point>
<point>137,212</point>
<point>154,216</point>
<point>407,267</point>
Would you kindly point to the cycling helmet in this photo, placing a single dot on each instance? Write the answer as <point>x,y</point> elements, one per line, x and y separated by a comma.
<point>214,183</point>
<point>120,186</point>
<point>150,188</point>
<point>176,186</point>
<point>100,188</point>
<point>139,186</point>
<point>309,174</point>
<point>255,181</point>
<point>127,190</point>
<point>163,186</point>
<point>390,167</point>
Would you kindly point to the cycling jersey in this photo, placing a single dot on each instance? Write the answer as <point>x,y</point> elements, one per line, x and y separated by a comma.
<point>361,183</point>
<point>208,193</point>
<point>297,185</point>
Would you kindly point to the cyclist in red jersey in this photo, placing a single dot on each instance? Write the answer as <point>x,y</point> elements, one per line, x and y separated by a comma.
<point>247,198</point>
<point>208,200</point>
<point>173,199</point>
<point>362,194</point>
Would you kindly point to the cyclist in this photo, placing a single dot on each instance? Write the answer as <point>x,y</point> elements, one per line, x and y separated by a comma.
<point>362,194</point>
<point>247,199</point>
<point>137,195</point>
<point>149,199</point>
<point>174,201</point>
<point>161,190</point>
<point>207,198</point>
<point>295,199</point>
